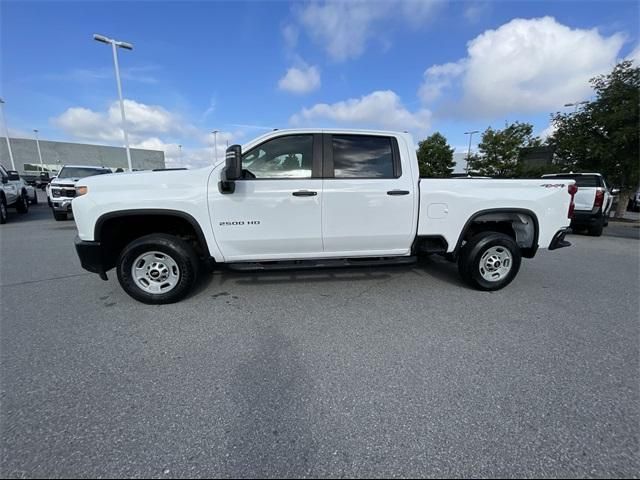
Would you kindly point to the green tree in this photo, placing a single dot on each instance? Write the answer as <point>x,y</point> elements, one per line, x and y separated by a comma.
<point>499,150</point>
<point>605,136</point>
<point>435,157</point>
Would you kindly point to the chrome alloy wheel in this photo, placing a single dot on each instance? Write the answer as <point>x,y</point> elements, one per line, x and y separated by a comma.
<point>155,272</point>
<point>496,264</point>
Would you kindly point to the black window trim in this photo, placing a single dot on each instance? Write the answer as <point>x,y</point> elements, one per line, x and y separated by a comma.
<point>316,167</point>
<point>328,170</point>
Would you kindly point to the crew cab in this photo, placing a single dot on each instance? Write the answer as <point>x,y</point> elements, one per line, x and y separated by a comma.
<point>13,194</point>
<point>311,198</point>
<point>62,189</point>
<point>593,201</point>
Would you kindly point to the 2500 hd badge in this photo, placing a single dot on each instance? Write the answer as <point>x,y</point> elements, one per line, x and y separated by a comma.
<point>241,222</point>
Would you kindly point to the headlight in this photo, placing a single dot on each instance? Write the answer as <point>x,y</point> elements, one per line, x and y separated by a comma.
<point>81,191</point>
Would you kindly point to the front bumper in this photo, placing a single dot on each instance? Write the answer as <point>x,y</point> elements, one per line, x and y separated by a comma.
<point>559,241</point>
<point>91,257</point>
<point>61,204</point>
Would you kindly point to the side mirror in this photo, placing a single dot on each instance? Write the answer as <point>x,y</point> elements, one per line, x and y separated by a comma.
<point>4,179</point>
<point>232,170</point>
<point>13,175</point>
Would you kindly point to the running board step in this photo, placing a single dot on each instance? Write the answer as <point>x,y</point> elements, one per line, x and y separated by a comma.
<point>321,263</point>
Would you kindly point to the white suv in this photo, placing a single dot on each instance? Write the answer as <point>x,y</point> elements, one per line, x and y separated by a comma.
<point>62,189</point>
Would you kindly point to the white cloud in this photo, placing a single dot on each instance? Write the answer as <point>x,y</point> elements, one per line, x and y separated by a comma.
<point>300,80</point>
<point>380,109</point>
<point>343,28</point>
<point>437,78</point>
<point>150,127</point>
<point>290,34</point>
<point>526,65</point>
<point>475,10</point>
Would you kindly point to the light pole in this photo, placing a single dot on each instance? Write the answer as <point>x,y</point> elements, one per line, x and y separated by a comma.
<point>469,151</point>
<point>180,153</point>
<point>215,145</point>
<point>114,47</point>
<point>575,104</point>
<point>6,130</point>
<point>35,130</point>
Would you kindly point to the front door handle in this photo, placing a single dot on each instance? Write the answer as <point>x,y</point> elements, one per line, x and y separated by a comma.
<point>398,192</point>
<point>304,193</point>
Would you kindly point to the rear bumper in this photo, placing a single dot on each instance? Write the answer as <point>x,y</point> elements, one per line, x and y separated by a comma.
<point>91,259</point>
<point>559,241</point>
<point>585,218</point>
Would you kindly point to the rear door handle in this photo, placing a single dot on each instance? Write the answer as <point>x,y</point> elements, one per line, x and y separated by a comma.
<point>398,192</point>
<point>304,193</point>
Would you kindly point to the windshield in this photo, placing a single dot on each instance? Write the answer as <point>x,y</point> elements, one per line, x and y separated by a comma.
<point>81,172</point>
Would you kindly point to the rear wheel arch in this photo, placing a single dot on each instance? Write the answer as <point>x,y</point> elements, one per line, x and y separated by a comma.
<point>519,223</point>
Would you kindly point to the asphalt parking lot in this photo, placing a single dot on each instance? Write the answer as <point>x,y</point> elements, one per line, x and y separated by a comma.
<point>373,372</point>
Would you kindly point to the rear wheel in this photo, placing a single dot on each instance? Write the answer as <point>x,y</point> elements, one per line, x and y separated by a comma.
<point>157,269</point>
<point>35,197</point>
<point>3,211</point>
<point>59,216</point>
<point>23,203</point>
<point>596,230</point>
<point>489,261</point>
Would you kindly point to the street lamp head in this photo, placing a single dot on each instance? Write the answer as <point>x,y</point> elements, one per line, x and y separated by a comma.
<point>125,45</point>
<point>35,130</point>
<point>101,38</point>
<point>568,104</point>
<point>474,131</point>
<point>1,100</point>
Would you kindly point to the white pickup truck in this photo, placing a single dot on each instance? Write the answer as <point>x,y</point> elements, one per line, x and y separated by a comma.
<point>311,198</point>
<point>593,201</point>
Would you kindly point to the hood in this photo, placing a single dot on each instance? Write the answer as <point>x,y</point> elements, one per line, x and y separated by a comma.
<point>146,179</point>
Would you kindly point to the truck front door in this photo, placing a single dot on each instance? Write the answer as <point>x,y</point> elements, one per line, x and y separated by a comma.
<point>275,211</point>
<point>369,202</point>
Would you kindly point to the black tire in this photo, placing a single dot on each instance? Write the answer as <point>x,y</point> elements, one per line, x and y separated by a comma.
<point>3,211</point>
<point>59,216</point>
<point>176,249</point>
<point>35,198</point>
<point>49,202</point>
<point>471,255</point>
<point>596,230</point>
<point>22,205</point>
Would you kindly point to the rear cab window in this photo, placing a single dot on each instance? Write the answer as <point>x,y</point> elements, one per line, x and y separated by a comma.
<point>583,181</point>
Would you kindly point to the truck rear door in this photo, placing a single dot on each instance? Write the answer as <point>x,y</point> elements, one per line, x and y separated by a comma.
<point>368,199</point>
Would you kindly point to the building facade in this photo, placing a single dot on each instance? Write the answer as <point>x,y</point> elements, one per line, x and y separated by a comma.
<point>57,154</point>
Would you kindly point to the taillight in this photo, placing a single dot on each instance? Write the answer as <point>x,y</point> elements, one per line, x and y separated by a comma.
<point>573,189</point>
<point>597,203</point>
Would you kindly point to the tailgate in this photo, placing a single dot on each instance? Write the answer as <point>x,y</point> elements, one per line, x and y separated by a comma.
<point>585,198</point>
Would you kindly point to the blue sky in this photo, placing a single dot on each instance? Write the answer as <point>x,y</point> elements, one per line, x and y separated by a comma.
<point>421,66</point>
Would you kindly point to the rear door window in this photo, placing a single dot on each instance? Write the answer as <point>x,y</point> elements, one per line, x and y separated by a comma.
<point>363,156</point>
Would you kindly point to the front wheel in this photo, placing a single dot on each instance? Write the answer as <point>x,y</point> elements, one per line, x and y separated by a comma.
<point>23,204</point>
<point>3,211</point>
<point>157,269</point>
<point>59,216</point>
<point>489,261</point>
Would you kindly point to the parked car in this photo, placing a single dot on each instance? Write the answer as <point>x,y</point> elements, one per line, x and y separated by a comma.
<point>593,201</point>
<point>62,189</point>
<point>311,198</point>
<point>13,194</point>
